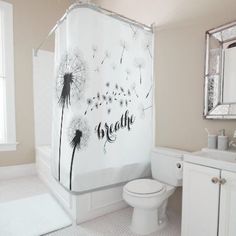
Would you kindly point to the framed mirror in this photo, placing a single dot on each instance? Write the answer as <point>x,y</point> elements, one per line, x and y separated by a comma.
<point>220,73</point>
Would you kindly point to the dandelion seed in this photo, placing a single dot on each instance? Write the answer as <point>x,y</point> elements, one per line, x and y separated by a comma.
<point>89,103</point>
<point>117,86</point>
<point>149,92</point>
<point>110,99</point>
<point>147,46</point>
<point>139,63</point>
<point>121,103</point>
<point>134,89</point>
<point>107,84</point>
<point>134,31</point>
<point>98,96</point>
<point>127,74</point>
<point>94,49</point>
<point>104,97</point>
<point>106,56</point>
<point>123,45</point>
<point>109,111</point>
<point>142,110</point>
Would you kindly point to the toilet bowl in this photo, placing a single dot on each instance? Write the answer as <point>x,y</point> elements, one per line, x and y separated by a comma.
<point>149,197</point>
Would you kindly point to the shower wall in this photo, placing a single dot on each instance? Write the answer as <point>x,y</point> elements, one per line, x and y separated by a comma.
<point>43,64</point>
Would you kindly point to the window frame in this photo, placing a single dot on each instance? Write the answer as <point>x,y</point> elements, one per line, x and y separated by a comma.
<point>8,62</point>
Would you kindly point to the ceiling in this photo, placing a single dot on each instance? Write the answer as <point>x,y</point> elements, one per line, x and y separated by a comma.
<point>170,12</point>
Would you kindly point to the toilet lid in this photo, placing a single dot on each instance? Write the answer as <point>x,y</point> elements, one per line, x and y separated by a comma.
<point>144,186</point>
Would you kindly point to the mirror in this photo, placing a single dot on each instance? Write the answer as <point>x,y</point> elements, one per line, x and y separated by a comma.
<point>220,73</point>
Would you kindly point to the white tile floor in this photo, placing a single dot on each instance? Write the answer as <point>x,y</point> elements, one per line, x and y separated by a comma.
<point>115,224</point>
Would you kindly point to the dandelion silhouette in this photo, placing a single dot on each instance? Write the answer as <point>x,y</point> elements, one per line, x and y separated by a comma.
<point>142,110</point>
<point>148,46</point>
<point>134,31</point>
<point>106,56</point>
<point>94,49</point>
<point>133,87</point>
<point>78,135</point>
<point>127,74</point>
<point>70,84</point>
<point>139,63</point>
<point>149,92</point>
<point>89,103</point>
<point>123,45</point>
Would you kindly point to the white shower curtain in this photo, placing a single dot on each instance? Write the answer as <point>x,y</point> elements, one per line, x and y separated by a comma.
<point>103,103</point>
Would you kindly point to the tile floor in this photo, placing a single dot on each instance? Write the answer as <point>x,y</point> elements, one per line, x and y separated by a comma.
<point>114,224</point>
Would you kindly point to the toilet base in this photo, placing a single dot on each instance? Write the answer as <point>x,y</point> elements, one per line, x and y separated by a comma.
<point>145,221</point>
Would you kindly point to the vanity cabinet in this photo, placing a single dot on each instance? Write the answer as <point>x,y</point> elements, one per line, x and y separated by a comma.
<point>209,201</point>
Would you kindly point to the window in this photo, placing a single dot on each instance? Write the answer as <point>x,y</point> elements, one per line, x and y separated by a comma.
<point>7,92</point>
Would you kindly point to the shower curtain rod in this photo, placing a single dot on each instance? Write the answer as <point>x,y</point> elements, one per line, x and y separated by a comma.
<point>98,9</point>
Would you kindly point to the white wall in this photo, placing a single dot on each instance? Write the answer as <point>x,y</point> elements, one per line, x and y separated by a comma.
<point>43,76</point>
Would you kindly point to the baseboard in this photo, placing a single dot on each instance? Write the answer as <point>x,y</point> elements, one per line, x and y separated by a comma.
<point>12,172</point>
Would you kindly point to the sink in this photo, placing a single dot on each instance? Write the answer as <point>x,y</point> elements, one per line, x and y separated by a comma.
<point>225,160</point>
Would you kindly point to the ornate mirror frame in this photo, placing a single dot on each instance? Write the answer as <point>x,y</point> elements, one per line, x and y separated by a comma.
<point>216,39</point>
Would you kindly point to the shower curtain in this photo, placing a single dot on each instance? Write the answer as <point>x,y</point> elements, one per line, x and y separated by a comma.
<point>103,102</point>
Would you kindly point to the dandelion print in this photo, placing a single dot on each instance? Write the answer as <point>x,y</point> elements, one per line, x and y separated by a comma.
<point>134,31</point>
<point>106,56</point>
<point>148,47</point>
<point>134,89</point>
<point>123,45</point>
<point>89,103</point>
<point>149,92</point>
<point>78,135</point>
<point>71,77</point>
<point>94,49</point>
<point>139,63</point>
<point>142,110</point>
<point>127,74</point>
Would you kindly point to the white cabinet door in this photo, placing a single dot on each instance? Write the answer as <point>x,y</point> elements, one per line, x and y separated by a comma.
<point>227,222</point>
<point>200,201</point>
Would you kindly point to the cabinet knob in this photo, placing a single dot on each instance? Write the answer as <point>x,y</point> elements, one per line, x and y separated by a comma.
<point>214,180</point>
<point>222,181</point>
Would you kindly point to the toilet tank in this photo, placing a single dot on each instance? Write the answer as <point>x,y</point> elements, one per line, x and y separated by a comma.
<point>167,166</point>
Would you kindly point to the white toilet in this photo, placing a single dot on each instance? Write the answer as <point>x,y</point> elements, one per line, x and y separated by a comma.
<point>149,197</point>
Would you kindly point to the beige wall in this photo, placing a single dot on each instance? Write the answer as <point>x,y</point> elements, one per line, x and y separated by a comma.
<point>32,21</point>
<point>179,64</point>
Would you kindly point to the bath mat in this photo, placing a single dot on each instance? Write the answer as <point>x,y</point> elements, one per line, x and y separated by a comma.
<point>32,216</point>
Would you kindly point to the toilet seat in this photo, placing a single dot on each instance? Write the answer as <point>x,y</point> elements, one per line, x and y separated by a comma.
<point>144,187</point>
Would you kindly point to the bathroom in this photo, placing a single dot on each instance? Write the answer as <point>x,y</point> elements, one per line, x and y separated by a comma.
<point>179,130</point>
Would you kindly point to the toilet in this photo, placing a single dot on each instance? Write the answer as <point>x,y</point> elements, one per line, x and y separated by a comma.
<point>149,197</point>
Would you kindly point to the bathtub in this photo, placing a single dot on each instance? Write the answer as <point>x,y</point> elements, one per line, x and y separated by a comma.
<point>99,192</point>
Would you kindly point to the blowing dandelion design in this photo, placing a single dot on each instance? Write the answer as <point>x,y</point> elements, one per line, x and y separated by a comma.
<point>71,78</point>
<point>124,46</point>
<point>78,135</point>
<point>106,56</point>
<point>140,64</point>
<point>148,47</point>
